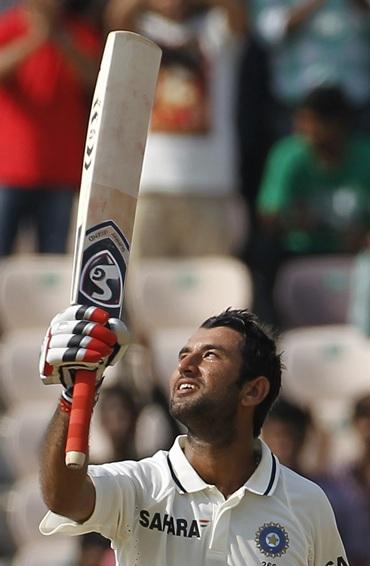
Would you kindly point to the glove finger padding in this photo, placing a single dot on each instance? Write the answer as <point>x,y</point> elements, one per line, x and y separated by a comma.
<point>81,338</point>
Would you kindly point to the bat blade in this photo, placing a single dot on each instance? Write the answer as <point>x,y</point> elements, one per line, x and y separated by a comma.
<point>114,151</point>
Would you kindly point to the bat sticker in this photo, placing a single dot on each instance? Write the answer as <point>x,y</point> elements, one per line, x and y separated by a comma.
<point>105,259</point>
<point>92,133</point>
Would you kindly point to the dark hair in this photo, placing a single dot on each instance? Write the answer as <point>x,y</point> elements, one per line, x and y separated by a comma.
<point>328,103</point>
<point>290,413</point>
<point>77,6</point>
<point>361,408</point>
<point>124,395</point>
<point>259,355</point>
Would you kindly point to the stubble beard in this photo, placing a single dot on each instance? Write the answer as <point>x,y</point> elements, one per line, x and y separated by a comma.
<point>209,419</point>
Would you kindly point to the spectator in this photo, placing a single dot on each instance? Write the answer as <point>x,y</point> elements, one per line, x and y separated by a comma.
<point>316,186</point>
<point>311,43</point>
<point>253,124</point>
<point>189,177</point>
<point>95,550</point>
<point>48,63</point>
<point>315,192</point>
<point>118,417</point>
<point>288,431</point>
<point>351,502</point>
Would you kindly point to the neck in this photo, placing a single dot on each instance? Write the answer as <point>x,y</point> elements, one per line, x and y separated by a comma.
<point>363,468</point>
<point>227,467</point>
<point>331,155</point>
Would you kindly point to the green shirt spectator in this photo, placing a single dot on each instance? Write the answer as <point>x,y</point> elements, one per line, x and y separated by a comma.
<point>319,208</point>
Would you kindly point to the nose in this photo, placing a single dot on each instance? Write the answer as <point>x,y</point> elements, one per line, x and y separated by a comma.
<point>188,364</point>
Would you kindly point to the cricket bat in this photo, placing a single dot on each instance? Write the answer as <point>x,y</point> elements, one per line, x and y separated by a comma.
<point>114,151</point>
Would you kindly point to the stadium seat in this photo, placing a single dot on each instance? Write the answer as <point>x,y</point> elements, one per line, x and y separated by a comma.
<point>33,288</point>
<point>313,291</point>
<point>25,509</point>
<point>183,292</point>
<point>56,552</point>
<point>20,371</point>
<point>331,362</point>
<point>327,368</point>
<point>21,431</point>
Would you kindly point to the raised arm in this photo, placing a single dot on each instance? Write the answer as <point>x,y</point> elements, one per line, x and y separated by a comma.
<point>236,13</point>
<point>79,338</point>
<point>277,22</point>
<point>298,15</point>
<point>85,66</point>
<point>66,492</point>
<point>123,15</point>
<point>45,22</point>
<point>14,53</point>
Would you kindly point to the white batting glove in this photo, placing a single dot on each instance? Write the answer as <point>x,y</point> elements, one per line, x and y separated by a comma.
<point>81,338</point>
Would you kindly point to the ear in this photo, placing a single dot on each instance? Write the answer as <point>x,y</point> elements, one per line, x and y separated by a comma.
<point>255,391</point>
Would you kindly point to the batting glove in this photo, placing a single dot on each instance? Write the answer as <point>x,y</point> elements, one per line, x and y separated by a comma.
<point>81,338</point>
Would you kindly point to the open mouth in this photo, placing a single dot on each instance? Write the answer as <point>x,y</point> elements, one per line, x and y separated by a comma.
<point>186,388</point>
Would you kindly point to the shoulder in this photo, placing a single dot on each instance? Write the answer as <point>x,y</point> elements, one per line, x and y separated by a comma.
<point>293,147</point>
<point>305,495</point>
<point>12,24</point>
<point>147,475</point>
<point>360,145</point>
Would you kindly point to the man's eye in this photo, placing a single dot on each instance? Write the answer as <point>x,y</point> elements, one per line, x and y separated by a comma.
<point>210,354</point>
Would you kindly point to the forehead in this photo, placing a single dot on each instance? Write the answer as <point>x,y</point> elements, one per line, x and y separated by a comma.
<point>221,336</point>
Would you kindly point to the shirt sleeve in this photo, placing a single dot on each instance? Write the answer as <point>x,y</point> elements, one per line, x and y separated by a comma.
<point>327,545</point>
<point>216,31</point>
<point>271,23</point>
<point>11,26</point>
<point>114,506</point>
<point>278,178</point>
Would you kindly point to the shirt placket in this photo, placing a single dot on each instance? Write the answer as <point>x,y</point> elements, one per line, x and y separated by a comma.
<point>219,542</point>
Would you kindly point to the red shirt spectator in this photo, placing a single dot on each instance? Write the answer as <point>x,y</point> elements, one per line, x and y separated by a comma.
<point>43,108</point>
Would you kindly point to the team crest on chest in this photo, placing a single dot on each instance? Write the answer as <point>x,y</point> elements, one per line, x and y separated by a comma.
<point>272,540</point>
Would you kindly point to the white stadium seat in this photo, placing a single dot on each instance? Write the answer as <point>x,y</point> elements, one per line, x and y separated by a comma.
<point>33,288</point>
<point>331,362</point>
<point>19,368</point>
<point>184,292</point>
<point>21,432</point>
<point>311,291</point>
<point>328,369</point>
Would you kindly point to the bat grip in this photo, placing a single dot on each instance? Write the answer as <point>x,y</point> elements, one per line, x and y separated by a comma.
<point>79,422</point>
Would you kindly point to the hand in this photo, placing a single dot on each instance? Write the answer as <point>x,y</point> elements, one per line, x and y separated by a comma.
<point>45,17</point>
<point>81,338</point>
<point>122,15</point>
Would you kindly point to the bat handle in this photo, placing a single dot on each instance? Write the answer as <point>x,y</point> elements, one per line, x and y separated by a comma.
<point>79,422</point>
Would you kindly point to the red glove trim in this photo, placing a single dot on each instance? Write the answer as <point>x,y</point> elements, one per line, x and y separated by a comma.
<point>64,406</point>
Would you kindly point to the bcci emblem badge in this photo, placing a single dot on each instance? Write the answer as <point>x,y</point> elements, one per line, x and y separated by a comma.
<point>272,540</point>
<point>104,268</point>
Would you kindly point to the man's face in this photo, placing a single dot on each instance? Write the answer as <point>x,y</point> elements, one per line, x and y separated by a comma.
<point>204,386</point>
<point>318,132</point>
<point>172,9</point>
<point>47,7</point>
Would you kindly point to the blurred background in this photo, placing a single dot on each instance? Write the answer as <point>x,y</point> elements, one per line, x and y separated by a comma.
<point>255,193</point>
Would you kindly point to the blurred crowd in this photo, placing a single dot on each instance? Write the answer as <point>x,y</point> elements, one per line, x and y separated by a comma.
<point>259,149</point>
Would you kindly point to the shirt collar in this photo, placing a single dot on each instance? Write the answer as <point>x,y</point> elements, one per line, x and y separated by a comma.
<point>263,481</point>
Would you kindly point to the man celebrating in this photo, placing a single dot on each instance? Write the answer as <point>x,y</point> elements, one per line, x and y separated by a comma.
<point>219,496</point>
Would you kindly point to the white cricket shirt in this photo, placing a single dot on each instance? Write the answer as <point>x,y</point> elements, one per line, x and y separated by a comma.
<point>159,512</point>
